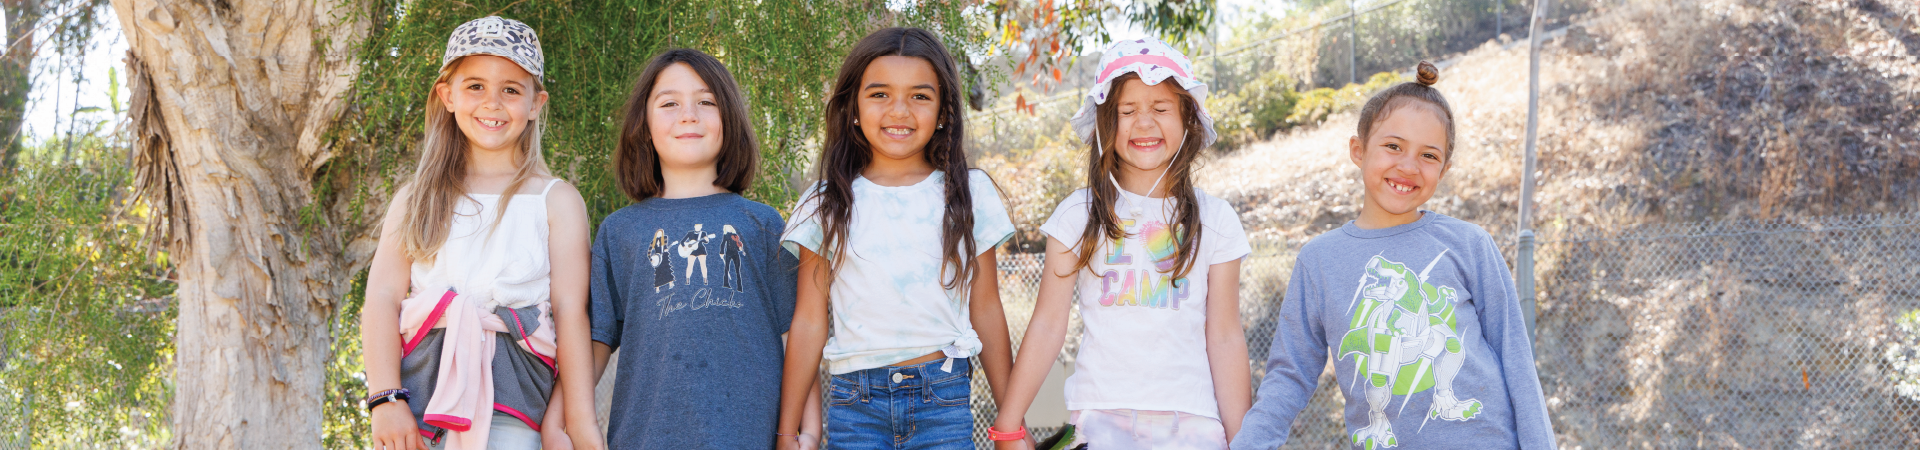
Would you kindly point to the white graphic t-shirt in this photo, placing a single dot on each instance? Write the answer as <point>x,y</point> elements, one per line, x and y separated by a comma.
<point>1144,345</point>
<point>888,302</point>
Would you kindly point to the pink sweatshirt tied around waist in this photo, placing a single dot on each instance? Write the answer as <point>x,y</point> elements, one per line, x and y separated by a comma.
<point>462,399</point>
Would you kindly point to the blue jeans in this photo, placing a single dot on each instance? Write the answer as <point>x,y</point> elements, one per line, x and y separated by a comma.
<point>901,408</point>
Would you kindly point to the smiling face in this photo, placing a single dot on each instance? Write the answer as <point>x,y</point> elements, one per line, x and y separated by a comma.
<point>1401,164</point>
<point>1149,129</point>
<point>683,118</point>
<point>492,99</point>
<point>899,106</point>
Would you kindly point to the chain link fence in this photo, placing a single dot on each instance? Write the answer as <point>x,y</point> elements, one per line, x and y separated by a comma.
<point>1734,334</point>
<point>1360,38</point>
<point>1737,334</point>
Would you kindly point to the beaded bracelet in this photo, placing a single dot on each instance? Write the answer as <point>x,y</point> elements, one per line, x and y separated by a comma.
<point>387,396</point>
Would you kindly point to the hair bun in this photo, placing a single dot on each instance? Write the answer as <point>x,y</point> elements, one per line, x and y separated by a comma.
<point>1427,74</point>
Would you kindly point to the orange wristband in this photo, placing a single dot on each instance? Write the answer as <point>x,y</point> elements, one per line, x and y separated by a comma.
<point>1013,436</point>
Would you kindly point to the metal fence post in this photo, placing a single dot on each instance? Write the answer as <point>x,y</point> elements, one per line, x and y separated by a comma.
<point>1499,17</point>
<point>1523,279</point>
<point>1523,273</point>
<point>1353,34</point>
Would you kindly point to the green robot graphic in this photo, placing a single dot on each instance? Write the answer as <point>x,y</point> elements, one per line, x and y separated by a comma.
<point>1404,340</point>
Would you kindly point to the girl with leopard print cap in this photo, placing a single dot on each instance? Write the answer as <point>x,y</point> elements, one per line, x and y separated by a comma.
<point>477,293</point>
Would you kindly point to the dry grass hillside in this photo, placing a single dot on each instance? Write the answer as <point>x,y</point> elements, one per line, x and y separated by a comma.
<point>1658,113</point>
<point>1650,112</point>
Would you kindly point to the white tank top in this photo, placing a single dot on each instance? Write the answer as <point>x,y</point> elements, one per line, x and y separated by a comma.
<point>508,267</point>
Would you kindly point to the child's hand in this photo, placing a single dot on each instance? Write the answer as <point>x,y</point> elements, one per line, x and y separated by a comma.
<point>584,437</point>
<point>1016,444</point>
<point>394,428</point>
<point>809,441</point>
<point>555,438</point>
<point>788,443</point>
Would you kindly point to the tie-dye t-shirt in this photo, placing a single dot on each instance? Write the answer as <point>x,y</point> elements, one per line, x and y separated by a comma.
<point>888,304</point>
<point>1144,341</point>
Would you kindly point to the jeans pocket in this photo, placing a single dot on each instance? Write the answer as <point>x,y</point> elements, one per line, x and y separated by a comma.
<point>955,391</point>
<point>840,391</point>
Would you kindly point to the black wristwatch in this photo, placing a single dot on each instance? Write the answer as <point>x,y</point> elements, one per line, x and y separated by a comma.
<point>390,395</point>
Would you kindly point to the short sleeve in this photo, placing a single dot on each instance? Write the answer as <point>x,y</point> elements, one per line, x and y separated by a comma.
<point>604,305</point>
<point>1068,221</point>
<point>803,229</point>
<point>782,280</point>
<point>1225,237</point>
<point>991,224</point>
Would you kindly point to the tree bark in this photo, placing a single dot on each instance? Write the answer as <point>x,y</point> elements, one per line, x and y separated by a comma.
<point>231,100</point>
<point>16,74</point>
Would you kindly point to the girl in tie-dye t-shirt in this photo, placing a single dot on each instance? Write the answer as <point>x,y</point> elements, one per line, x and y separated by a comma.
<point>898,236</point>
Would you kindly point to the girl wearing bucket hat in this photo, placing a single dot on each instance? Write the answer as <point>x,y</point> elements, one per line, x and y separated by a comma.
<point>1156,265</point>
<point>477,292</point>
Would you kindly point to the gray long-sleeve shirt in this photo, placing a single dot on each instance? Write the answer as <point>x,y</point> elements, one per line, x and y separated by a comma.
<point>1429,345</point>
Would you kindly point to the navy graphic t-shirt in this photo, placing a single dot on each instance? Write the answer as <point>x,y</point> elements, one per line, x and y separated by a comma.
<point>698,292</point>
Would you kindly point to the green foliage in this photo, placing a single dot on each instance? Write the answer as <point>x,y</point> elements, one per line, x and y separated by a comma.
<point>85,353</point>
<point>1052,33</point>
<point>1034,159</point>
<point>1257,110</point>
<point>1269,104</point>
<point>1270,99</point>
<point>343,418</point>
<point>1176,21</point>
<point>37,32</point>
<point>1903,356</point>
<point>1315,105</point>
<point>784,54</point>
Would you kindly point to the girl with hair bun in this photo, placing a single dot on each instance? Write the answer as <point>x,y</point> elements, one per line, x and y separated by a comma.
<point>1429,345</point>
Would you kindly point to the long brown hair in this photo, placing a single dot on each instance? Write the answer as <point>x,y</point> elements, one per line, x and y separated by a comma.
<point>440,180</point>
<point>637,163</point>
<point>847,152</point>
<point>1103,223</point>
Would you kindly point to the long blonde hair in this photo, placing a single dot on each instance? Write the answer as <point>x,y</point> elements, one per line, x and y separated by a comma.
<point>440,179</point>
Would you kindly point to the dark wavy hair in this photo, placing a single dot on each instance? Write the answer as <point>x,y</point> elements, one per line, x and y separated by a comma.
<point>846,151</point>
<point>1103,223</point>
<point>636,162</point>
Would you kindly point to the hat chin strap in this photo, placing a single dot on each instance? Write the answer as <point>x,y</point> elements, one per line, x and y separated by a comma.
<point>1133,210</point>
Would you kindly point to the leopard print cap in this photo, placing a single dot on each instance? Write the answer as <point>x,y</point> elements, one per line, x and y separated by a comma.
<point>493,35</point>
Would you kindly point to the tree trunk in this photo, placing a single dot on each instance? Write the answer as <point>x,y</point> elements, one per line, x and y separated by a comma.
<point>231,100</point>
<point>16,74</point>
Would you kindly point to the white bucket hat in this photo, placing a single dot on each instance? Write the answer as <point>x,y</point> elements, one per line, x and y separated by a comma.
<point>1155,61</point>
